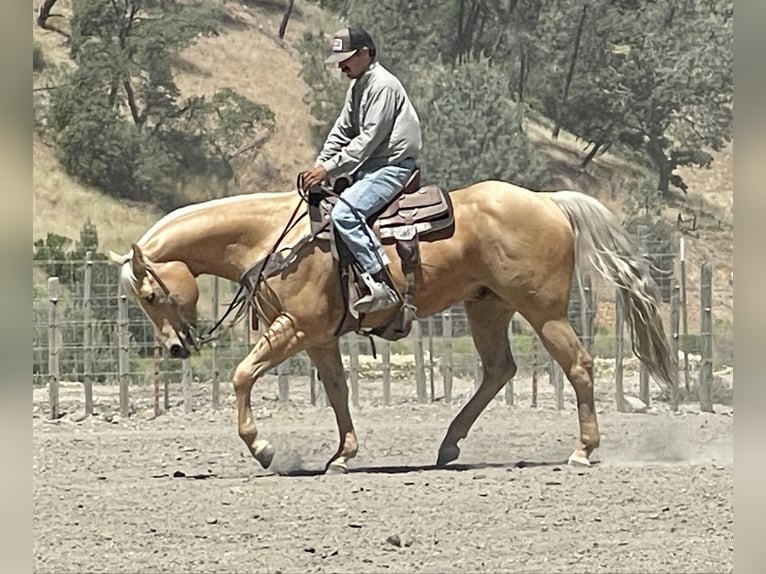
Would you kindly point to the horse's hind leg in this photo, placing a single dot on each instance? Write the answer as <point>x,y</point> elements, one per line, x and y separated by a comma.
<point>489,318</point>
<point>329,365</point>
<point>562,343</point>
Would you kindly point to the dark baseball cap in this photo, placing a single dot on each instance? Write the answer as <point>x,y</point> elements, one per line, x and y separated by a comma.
<point>347,42</point>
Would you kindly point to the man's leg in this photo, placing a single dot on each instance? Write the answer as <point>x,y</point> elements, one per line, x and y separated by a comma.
<point>368,195</point>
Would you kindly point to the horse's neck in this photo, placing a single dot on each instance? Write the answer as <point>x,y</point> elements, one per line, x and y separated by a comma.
<point>221,237</point>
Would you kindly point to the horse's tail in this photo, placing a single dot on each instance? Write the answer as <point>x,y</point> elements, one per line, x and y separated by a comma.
<point>601,239</point>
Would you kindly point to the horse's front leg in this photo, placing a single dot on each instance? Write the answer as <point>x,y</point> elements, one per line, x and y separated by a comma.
<point>281,340</point>
<point>329,365</point>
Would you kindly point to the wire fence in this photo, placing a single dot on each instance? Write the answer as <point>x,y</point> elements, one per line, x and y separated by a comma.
<point>85,330</point>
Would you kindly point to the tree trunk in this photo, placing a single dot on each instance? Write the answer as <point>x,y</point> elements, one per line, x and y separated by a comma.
<point>591,154</point>
<point>570,74</point>
<point>663,164</point>
<point>522,74</point>
<point>285,20</point>
<point>44,13</point>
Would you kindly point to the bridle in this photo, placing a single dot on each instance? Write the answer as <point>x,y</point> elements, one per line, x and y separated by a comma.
<point>187,331</point>
<point>241,301</point>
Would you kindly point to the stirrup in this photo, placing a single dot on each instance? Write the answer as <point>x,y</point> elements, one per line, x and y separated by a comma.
<point>380,297</point>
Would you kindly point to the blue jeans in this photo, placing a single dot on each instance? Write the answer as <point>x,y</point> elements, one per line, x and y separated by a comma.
<point>369,193</point>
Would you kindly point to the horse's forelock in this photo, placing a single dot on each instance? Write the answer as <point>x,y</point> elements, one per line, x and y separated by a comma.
<point>130,282</point>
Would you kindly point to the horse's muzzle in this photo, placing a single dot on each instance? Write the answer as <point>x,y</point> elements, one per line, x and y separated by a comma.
<point>178,351</point>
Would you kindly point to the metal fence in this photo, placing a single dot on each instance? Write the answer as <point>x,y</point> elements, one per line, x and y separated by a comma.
<point>85,329</point>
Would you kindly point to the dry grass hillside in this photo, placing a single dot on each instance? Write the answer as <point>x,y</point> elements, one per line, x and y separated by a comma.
<point>249,57</point>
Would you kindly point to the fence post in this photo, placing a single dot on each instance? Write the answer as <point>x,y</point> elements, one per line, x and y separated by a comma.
<point>420,374</point>
<point>385,354</point>
<point>283,381</point>
<point>431,356</point>
<point>674,324</point>
<point>619,322</point>
<point>123,362</point>
<point>509,385</point>
<point>557,380</point>
<point>643,372</point>
<point>706,367</point>
<point>534,372</point>
<point>156,377</point>
<point>87,307</point>
<point>684,316</point>
<point>447,367</point>
<point>588,313</point>
<point>354,368</point>
<point>476,367</point>
<point>216,390</point>
<point>186,381</point>
<point>53,347</point>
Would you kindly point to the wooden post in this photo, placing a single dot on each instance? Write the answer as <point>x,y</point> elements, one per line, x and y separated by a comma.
<point>619,328</point>
<point>509,385</point>
<point>156,377</point>
<point>684,316</point>
<point>420,374</point>
<point>431,356</point>
<point>53,347</point>
<point>87,308</point>
<point>186,383</point>
<point>706,367</point>
<point>643,373</point>
<point>283,381</point>
<point>557,380</point>
<point>123,362</point>
<point>312,385</point>
<point>447,366</point>
<point>674,325</point>
<point>214,352</point>
<point>477,368</point>
<point>385,351</point>
<point>166,394</point>
<point>354,368</point>
<point>534,371</point>
<point>588,313</point>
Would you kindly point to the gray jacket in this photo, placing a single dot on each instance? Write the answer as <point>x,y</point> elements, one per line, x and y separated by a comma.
<point>378,126</point>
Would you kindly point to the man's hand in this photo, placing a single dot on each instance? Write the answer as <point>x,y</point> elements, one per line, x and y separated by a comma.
<point>314,176</point>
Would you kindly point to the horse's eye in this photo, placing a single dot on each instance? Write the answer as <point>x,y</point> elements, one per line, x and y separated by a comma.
<point>150,298</point>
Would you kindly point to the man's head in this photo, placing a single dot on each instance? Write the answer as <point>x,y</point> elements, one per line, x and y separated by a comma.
<point>353,50</point>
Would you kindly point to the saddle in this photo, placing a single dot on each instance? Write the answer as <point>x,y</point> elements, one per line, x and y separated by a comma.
<point>416,212</point>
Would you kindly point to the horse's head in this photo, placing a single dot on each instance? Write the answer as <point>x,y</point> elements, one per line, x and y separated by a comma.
<point>167,293</point>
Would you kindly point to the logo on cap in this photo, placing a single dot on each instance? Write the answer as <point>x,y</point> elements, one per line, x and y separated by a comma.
<point>337,45</point>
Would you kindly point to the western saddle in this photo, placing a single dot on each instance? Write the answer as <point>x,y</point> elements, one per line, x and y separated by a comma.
<point>417,212</point>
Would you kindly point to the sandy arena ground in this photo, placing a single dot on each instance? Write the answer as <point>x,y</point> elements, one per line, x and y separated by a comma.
<point>180,493</point>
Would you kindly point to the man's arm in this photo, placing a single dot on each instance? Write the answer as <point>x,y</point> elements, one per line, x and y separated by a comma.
<point>339,135</point>
<point>376,126</point>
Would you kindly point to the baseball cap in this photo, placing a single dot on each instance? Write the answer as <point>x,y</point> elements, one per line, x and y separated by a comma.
<point>346,43</point>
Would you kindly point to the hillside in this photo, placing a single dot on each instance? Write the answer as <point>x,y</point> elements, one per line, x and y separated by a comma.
<point>249,57</point>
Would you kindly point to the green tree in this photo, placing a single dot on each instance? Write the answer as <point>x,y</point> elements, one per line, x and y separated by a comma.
<point>472,130</point>
<point>658,80</point>
<point>119,120</point>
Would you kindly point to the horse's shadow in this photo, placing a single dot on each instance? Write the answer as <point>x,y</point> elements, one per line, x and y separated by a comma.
<point>407,469</point>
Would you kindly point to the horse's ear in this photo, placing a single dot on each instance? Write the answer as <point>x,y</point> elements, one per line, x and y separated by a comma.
<point>118,260</point>
<point>138,263</point>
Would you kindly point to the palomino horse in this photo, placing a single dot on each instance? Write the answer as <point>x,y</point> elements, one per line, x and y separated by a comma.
<point>511,250</point>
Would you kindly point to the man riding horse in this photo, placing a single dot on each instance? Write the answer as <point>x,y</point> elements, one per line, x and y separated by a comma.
<point>375,141</point>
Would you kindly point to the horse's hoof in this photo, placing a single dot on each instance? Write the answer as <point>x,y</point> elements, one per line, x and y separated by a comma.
<point>264,453</point>
<point>576,459</point>
<point>336,467</point>
<point>446,455</point>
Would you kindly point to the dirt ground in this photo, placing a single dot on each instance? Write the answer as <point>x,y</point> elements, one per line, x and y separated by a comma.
<point>179,493</point>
